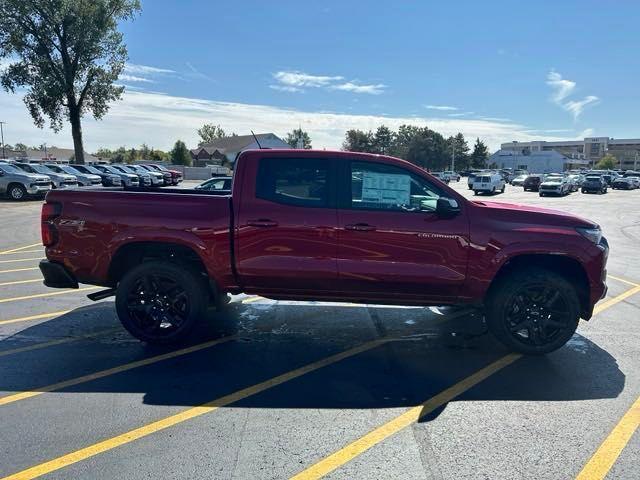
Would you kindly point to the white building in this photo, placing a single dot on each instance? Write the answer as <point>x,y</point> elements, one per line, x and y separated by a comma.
<point>537,161</point>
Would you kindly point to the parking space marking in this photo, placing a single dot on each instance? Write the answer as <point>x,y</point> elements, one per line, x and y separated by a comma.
<point>18,249</point>
<point>22,260</point>
<point>50,294</point>
<point>628,282</point>
<point>162,424</point>
<point>607,454</point>
<point>60,341</point>
<point>252,299</point>
<point>34,317</point>
<point>348,453</point>
<point>16,397</point>
<point>18,282</point>
<point>24,251</point>
<point>19,270</point>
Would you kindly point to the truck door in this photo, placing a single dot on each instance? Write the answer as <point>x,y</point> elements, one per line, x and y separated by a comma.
<point>391,243</point>
<point>286,225</point>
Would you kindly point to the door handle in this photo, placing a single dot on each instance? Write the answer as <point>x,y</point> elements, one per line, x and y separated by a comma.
<point>262,222</point>
<point>360,227</point>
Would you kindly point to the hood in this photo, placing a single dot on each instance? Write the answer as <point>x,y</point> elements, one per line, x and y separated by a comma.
<point>554,183</point>
<point>528,214</point>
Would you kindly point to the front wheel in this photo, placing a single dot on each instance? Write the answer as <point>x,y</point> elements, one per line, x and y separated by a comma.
<point>159,302</point>
<point>17,192</point>
<point>533,312</point>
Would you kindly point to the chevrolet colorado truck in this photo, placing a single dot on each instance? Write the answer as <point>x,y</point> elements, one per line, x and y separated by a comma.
<point>329,226</point>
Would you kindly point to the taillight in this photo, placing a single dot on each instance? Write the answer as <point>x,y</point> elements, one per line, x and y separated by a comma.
<point>49,232</point>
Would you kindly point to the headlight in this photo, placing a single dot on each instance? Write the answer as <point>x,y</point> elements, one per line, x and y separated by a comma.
<point>593,234</point>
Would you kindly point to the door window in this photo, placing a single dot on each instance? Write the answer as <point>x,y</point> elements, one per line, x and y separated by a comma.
<point>294,181</point>
<point>376,186</point>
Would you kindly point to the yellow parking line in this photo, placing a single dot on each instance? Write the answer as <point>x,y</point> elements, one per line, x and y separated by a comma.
<point>34,317</point>
<point>252,299</point>
<point>19,270</point>
<point>110,371</point>
<point>618,279</point>
<point>17,249</point>
<point>604,458</point>
<point>23,251</point>
<point>164,423</point>
<point>21,260</point>
<point>51,343</point>
<point>18,282</point>
<point>50,294</point>
<point>346,454</point>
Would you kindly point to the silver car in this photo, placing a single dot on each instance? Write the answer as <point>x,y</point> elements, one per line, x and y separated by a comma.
<point>127,179</point>
<point>144,178</point>
<point>84,179</point>
<point>58,180</point>
<point>18,184</point>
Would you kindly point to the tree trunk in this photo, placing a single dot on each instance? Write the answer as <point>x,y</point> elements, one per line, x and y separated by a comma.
<point>76,132</point>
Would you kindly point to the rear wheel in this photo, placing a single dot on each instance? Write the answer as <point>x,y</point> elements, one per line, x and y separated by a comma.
<point>159,302</point>
<point>533,312</point>
<point>502,189</point>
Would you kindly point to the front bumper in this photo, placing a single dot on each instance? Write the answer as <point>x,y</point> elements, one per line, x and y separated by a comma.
<point>56,276</point>
<point>38,189</point>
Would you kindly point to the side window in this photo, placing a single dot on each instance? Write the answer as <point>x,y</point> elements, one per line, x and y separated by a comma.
<point>376,186</point>
<point>301,182</point>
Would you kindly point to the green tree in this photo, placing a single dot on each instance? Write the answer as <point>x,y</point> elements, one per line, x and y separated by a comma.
<point>20,147</point>
<point>68,54</point>
<point>383,140</point>
<point>459,145</point>
<point>358,141</point>
<point>158,155</point>
<point>180,155</point>
<point>608,162</point>
<point>480,154</point>
<point>131,156</point>
<point>298,134</point>
<point>209,133</point>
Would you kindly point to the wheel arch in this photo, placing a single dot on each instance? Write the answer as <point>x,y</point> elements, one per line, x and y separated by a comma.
<point>563,265</point>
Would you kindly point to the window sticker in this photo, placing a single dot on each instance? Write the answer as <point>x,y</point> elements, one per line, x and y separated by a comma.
<point>386,188</point>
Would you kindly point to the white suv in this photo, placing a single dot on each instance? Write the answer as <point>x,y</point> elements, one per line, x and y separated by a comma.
<point>488,183</point>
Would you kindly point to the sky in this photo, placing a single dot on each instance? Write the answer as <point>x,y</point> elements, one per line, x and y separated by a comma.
<point>498,70</point>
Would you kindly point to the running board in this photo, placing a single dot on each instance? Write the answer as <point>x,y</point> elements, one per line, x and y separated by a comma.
<point>110,292</point>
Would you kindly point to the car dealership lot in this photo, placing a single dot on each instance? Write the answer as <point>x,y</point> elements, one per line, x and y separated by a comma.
<point>273,389</point>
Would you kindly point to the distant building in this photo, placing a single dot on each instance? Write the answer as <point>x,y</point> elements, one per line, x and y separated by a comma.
<point>546,161</point>
<point>225,149</point>
<point>53,154</point>
<point>592,149</point>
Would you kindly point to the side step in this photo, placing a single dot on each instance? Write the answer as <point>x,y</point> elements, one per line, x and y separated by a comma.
<point>102,294</point>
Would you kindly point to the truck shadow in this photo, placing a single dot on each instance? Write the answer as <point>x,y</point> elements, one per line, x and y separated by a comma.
<point>430,351</point>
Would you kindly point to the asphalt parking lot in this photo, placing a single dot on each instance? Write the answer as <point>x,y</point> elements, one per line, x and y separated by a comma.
<point>272,389</point>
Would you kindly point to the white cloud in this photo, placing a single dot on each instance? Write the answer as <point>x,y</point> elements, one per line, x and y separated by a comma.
<point>300,79</point>
<point>159,120</point>
<point>145,69</point>
<point>496,119</point>
<point>587,132</point>
<point>132,78</point>
<point>441,107</point>
<point>374,89</point>
<point>285,88</point>
<point>460,114</point>
<point>563,88</point>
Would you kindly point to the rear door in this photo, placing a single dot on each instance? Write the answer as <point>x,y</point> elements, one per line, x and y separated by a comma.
<point>391,243</point>
<point>286,225</point>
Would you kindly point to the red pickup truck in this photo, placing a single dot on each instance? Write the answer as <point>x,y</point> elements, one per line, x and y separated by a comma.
<point>330,226</point>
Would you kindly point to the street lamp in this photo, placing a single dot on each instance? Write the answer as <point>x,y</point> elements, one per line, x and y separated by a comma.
<point>4,156</point>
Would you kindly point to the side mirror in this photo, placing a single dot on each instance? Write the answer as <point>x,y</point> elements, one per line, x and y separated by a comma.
<point>447,207</point>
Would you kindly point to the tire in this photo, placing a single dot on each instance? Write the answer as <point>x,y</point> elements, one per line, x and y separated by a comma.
<point>475,192</point>
<point>583,191</point>
<point>16,192</point>
<point>541,194</point>
<point>502,190</point>
<point>176,298</point>
<point>515,301</point>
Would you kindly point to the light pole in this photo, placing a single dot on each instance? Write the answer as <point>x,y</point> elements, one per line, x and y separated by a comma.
<point>4,156</point>
<point>453,156</point>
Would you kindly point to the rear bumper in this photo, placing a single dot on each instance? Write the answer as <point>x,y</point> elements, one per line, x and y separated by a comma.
<point>56,276</point>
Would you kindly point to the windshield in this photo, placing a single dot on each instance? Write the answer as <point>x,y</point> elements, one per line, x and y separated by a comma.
<point>7,168</point>
<point>55,168</point>
<point>69,170</point>
<point>39,168</point>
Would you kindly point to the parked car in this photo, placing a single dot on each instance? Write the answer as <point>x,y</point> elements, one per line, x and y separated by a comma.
<point>488,183</point>
<point>532,182</point>
<point>594,184</point>
<point>555,185</point>
<point>634,180</point>
<point>176,176</point>
<point>575,180</point>
<point>106,178</point>
<point>278,234</point>
<point>84,179</point>
<point>471,178</point>
<point>144,179</point>
<point>18,184</point>
<point>441,176</point>
<point>631,173</point>
<point>623,183</point>
<point>216,183</point>
<point>166,176</point>
<point>58,180</point>
<point>519,180</point>
<point>157,178</point>
<point>126,178</point>
<point>451,175</point>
